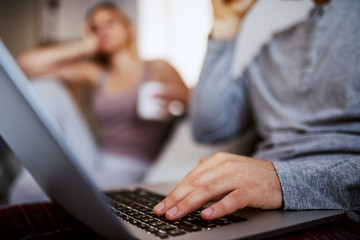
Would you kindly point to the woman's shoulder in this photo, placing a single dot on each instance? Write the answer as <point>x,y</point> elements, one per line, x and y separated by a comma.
<point>157,63</point>
<point>160,67</point>
<point>165,72</point>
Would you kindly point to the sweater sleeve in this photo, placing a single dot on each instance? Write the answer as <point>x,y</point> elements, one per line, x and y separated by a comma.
<point>321,184</point>
<point>220,107</point>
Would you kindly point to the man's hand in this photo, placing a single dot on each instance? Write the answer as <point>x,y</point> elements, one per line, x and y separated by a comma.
<point>228,16</point>
<point>238,181</point>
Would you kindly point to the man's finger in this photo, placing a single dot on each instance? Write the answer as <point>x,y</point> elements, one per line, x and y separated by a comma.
<point>193,179</point>
<point>235,200</point>
<point>210,163</point>
<point>200,196</point>
<point>189,184</point>
<point>202,159</point>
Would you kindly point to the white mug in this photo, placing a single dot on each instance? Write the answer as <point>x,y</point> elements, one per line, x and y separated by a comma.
<point>148,106</point>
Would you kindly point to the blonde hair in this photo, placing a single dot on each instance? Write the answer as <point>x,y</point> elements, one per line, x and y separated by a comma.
<point>123,17</point>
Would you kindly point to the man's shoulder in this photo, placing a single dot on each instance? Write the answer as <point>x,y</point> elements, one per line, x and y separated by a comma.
<point>284,40</point>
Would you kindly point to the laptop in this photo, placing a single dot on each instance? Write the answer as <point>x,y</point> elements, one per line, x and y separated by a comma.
<point>126,213</point>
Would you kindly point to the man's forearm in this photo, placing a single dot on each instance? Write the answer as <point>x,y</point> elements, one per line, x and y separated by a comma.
<point>321,184</point>
<point>218,108</point>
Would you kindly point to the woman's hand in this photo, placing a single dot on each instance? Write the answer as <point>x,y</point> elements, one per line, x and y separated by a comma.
<point>91,44</point>
<point>90,41</point>
<point>239,182</point>
<point>175,94</point>
<point>228,16</point>
<point>175,98</point>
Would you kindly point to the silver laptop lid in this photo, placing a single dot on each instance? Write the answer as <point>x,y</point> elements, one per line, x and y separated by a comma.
<point>34,138</point>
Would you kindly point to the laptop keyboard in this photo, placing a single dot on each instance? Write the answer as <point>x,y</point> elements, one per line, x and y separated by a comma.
<point>136,207</point>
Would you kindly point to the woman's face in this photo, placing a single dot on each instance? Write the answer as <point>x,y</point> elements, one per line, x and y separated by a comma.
<point>111,32</point>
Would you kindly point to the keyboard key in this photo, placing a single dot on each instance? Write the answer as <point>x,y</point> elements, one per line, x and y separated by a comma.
<point>125,217</point>
<point>149,212</point>
<point>147,203</point>
<point>188,227</point>
<point>153,230</point>
<point>134,221</point>
<point>143,226</point>
<point>131,212</point>
<point>175,232</point>
<point>148,220</point>
<point>161,218</point>
<point>189,218</point>
<point>220,221</point>
<point>174,223</point>
<point>143,209</point>
<point>202,223</point>
<point>139,216</point>
<point>234,218</point>
<point>165,227</point>
<point>156,223</point>
<point>195,215</point>
<point>161,235</point>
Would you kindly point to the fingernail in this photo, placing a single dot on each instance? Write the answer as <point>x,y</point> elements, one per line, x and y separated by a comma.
<point>172,212</point>
<point>159,207</point>
<point>208,212</point>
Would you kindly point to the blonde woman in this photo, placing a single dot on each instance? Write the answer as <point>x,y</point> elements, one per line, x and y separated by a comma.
<point>106,59</point>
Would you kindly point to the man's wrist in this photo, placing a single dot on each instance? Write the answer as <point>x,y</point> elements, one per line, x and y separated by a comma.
<point>226,29</point>
<point>275,185</point>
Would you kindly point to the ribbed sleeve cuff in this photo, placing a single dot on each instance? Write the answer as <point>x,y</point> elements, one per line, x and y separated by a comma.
<point>289,184</point>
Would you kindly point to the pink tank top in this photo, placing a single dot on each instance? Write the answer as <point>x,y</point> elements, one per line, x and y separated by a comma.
<point>122,131</point>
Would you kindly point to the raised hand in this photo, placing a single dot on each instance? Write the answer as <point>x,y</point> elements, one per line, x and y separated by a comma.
<point>228,16</point>
<point>224,9</point>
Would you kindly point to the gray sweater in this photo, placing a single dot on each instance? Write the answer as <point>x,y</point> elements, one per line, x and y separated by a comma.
<point>302,96</point>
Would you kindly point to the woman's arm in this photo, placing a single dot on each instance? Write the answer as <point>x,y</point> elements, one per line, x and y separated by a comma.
<point>63,61</point>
